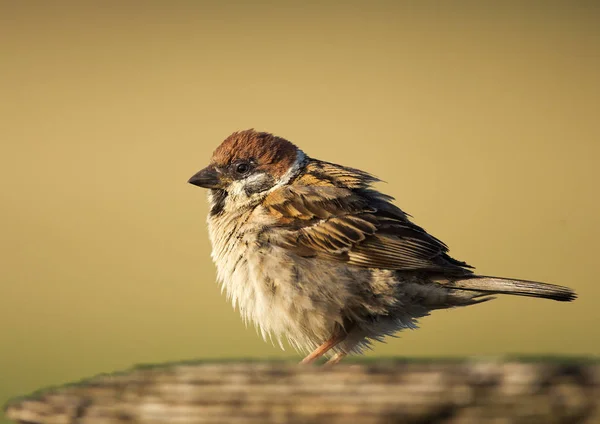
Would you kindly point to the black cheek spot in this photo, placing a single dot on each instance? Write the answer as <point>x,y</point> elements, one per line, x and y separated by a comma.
<point>218,201</point>
<point>260,185</point>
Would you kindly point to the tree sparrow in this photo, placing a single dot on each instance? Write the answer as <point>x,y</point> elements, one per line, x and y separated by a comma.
<point>308,250</point>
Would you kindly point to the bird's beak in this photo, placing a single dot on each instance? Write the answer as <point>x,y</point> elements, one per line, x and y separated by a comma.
<point>209,177</point>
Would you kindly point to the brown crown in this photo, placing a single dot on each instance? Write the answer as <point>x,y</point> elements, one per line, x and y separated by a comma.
<point>270,152</point>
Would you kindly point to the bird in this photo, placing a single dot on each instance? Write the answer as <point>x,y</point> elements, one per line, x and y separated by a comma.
<point>310,252</point>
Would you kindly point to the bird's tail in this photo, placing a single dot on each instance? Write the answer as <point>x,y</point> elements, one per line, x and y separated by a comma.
<point>496,285</point>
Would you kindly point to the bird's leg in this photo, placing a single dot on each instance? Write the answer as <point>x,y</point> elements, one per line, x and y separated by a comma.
<point>337,337</point>
<point>336,358</point>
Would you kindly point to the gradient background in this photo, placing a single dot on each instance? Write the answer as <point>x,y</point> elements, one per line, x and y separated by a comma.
<point>484,121</point>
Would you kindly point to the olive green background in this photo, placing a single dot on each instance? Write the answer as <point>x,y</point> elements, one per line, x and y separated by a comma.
<point>482,117</point>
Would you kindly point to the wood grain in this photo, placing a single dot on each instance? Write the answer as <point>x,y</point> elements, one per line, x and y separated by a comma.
<point>450,392</point>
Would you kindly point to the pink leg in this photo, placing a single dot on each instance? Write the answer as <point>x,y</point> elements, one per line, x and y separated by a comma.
<point>335,339</point>
<point>336,358</point>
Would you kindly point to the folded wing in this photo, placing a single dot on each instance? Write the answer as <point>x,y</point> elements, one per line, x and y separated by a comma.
<point>331,212</point>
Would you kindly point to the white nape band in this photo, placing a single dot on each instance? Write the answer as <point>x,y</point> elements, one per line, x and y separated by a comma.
<point>294,170</point>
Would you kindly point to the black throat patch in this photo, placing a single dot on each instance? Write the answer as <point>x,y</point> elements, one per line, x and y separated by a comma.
<point>218,201</point>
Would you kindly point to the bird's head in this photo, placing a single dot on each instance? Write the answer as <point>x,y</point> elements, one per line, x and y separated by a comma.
<point>248,164</point>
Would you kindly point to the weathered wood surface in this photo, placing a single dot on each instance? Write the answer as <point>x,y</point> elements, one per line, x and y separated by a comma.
<point>387,392</point>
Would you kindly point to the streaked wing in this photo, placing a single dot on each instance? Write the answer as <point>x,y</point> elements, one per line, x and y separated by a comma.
<point>331,212</point>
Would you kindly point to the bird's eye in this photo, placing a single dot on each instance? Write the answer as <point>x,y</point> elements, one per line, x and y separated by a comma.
<point>242,168</point>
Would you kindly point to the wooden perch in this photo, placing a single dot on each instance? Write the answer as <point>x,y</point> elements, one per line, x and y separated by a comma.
<point>548,392</point>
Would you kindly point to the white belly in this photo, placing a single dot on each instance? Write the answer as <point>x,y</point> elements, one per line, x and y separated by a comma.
<point>297,298</point>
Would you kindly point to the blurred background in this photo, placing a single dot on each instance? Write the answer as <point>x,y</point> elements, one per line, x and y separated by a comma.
<point>484,120</point>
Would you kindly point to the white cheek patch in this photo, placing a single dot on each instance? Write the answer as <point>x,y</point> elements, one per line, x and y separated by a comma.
<point>236,189</point>
<point>250,189</point>
<point>258,183</point>
<point>255,187</point>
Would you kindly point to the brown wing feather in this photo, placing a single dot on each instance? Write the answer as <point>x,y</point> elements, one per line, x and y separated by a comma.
<point>330,211</point>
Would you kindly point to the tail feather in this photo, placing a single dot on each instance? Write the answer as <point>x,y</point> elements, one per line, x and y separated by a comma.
<point>496,285</point>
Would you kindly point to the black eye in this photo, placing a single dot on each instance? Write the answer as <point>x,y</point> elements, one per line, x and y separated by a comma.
<point>242,168</point>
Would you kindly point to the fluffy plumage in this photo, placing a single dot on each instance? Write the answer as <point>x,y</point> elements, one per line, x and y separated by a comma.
<point>308,250</point>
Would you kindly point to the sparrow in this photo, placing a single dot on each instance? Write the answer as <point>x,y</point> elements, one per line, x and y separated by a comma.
<point>309,251</point>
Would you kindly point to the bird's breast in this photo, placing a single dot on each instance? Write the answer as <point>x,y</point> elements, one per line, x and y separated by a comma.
<point>281,293</point>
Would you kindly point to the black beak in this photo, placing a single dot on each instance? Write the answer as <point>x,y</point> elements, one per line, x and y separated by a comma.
<point>209,177</point>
